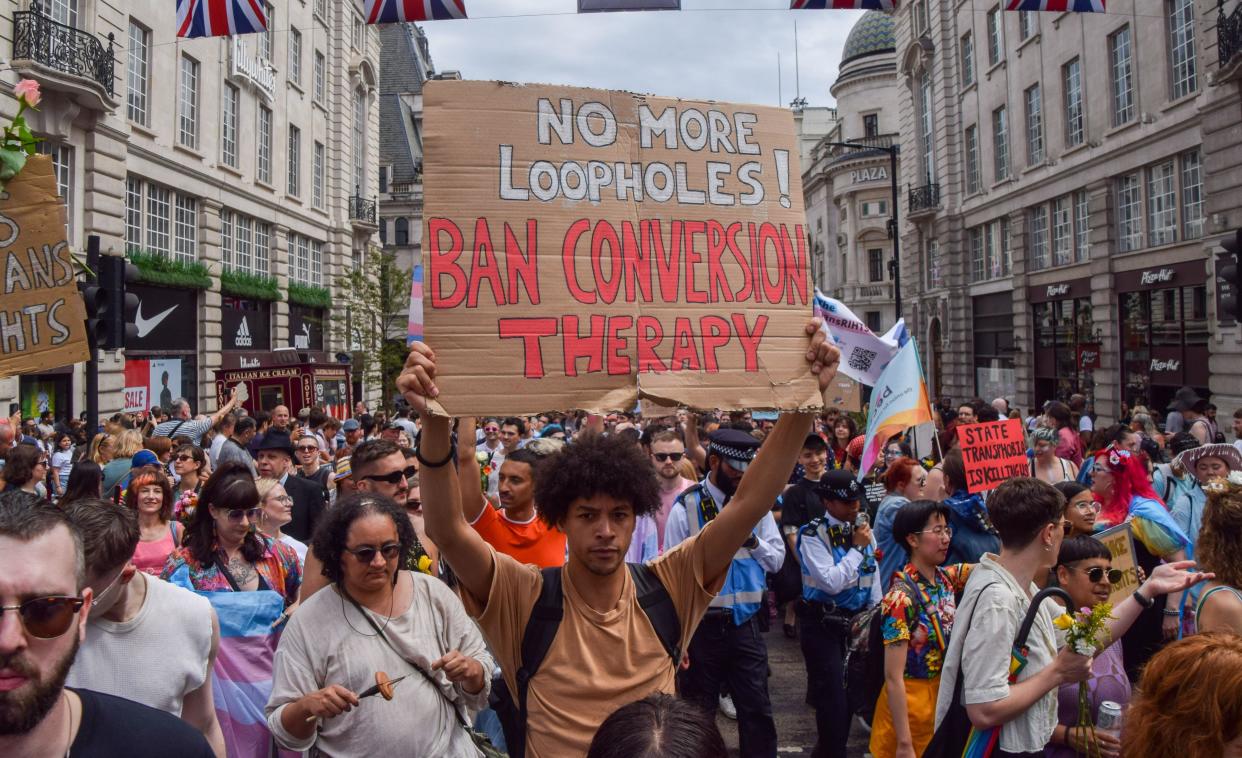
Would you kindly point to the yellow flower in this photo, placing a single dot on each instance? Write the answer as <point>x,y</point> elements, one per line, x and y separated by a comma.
<point>424,564</point>
<point>1063,622</point>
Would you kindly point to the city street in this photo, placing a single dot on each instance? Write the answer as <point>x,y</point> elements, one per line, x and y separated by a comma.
<point>795,721</point>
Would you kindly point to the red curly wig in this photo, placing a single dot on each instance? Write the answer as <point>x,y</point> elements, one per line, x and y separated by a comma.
<point>1129,481</point>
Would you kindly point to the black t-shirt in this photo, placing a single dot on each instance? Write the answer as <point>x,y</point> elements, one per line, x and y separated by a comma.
<point>800,504</point>
<point>116,728</point>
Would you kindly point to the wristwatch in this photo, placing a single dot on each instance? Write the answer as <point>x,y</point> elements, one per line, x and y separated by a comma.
<point>751,542</point>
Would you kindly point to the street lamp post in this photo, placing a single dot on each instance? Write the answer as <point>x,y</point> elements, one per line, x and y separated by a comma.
<point>894,265</point>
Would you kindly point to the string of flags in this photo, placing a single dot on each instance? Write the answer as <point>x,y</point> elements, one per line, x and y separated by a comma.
<point>221,18</point>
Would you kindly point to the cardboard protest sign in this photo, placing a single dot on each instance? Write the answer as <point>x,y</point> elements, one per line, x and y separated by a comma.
<point>42,319</point>
<point>993,452</point>
<point>1120,543</point>
<point>586,247</point>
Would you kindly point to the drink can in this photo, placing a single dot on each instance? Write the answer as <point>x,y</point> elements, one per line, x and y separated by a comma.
<point>1109,717</point>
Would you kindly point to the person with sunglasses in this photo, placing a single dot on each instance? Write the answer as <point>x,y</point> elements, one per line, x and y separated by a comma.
<point>44,605</point>
<point>374,617</point>
<point>252,581</point>
<point>667,453</point>
<point>311,463</point>
<point>133,615</point>
<point>190,466</point>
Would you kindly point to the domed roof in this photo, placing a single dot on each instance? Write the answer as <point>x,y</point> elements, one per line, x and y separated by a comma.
<point>872,34</point>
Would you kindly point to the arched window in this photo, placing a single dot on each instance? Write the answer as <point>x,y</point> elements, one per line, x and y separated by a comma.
<point>403,231</point>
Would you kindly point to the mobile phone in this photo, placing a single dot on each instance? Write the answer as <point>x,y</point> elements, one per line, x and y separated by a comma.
<point>861,520</point>
<point>13,408</point>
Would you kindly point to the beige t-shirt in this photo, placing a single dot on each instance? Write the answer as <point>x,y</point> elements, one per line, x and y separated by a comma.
<point>598,661</point>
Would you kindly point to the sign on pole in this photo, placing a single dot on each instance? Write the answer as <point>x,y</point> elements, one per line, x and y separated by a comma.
<point>586,247</point>
<point>42,319</point>
<point>993,452</point>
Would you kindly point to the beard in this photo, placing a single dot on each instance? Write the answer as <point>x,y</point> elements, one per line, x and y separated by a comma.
<point>22,711</point>
<point>726,483</point>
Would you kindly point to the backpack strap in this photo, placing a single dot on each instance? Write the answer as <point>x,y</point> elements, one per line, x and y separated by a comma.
<point>658,605</point>
<point>545,620</point>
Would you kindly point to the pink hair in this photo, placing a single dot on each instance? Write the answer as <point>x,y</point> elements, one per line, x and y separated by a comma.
<point>1129,481</point>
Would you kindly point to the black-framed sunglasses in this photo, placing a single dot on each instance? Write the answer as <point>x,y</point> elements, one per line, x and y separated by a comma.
<point>1097,573</point>
<point>366,553</point>
<point>394,477</point>
<point>46,617</point>
<point>308,448</point>
<point>674,457</point>
<point>183,457</point>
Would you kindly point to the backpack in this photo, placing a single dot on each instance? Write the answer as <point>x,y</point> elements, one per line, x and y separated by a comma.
<point>1168,481</point>
<point>864,659</point>
<point>545,620</point>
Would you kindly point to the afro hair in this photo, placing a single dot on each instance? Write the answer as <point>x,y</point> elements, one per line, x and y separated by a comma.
<point>596,465</point>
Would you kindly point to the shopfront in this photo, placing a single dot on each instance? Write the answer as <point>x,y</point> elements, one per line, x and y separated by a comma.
<point>305,327</point>
<point>1066,342</point>
<point>992,323</point>
<point>296,379</point>
<point>162,362</point>
<point>245,324</point>
<point>46,391</point>
<point>1164,332</point>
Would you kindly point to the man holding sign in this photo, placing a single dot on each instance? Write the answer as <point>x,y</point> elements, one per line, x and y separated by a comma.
<point>606,653</point>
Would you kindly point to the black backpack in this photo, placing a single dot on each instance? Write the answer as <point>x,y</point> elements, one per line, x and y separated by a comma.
<point>545,620</point>
<point>864,661</point>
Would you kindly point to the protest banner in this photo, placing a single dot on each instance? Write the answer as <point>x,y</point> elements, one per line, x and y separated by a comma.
<point>1120,543</point>
<point>864,355</point>
<point>585,247</point>
<point>993,452</point>
<point>42,319</point>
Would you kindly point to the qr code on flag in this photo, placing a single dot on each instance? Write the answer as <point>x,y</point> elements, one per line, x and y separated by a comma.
<point>860,359</point>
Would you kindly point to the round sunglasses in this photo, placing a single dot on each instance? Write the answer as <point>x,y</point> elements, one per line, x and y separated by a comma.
<point>1097,573</point>
<point>366,554</point>
<point>46,617</point>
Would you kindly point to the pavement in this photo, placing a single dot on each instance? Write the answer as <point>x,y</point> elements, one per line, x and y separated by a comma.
<point>795,721</point>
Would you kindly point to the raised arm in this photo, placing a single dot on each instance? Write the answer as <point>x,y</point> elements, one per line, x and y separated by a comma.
<point>226,408</point>
<point>468,472</point>
<point>694,446</point>
<point>459,544</point>
<point>767,475</point>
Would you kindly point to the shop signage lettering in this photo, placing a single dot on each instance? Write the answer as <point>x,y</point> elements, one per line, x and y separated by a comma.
<point>1156,276</point>
<point>1058,290</point>
<point>1089,356</point>
<point>252,68</point>
<point>248,362</point>
<point>873,174</point>
<point>1159,366</point>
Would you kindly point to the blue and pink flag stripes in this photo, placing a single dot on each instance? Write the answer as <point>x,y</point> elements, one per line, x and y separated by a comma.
<point>220,18</point>
<point>1056,6</point>
<point>415,332</point>
<point>596,6</point>
<point>395,11</point>
<point>812,5</point>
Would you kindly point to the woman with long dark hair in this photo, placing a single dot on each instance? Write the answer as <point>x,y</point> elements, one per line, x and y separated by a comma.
<point>1081,509</point>
<point>61,462</point>
<point>843,431</point>
<point>85,482</point>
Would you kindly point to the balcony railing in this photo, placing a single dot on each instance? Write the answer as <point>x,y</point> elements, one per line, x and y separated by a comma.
<point>39,38</point>
<point>362,209</point>
<point>924,198</point>
<point>1228,34</point>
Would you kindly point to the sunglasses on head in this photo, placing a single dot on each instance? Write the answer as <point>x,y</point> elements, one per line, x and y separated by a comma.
<point>668,456</point>
<point>366,553</point>
<point>394,477</point>
<point>46,617</point>
<point>1097,573</point>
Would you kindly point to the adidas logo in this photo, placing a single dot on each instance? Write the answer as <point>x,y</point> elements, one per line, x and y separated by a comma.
<point>243,338</point>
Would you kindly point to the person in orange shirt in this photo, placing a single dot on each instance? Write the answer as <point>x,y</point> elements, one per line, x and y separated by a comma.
<point>515,529</point>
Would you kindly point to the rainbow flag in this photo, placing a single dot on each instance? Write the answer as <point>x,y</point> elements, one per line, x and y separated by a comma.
<point>241,680</point>
<point>898,402</point>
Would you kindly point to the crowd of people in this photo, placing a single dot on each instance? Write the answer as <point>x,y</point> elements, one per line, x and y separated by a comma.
<point>247,584</point>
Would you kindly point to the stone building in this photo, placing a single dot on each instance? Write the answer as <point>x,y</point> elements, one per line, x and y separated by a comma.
<point>1056,220</point>
<point>246,166</point>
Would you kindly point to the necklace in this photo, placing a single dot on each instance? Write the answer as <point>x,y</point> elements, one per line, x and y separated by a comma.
<point>68,723</point>
<point>392,599</point>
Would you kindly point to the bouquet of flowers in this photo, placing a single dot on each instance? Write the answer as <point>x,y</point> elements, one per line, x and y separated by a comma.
<point>183,509</point>
<point>485,467</point>
<point>1083,632</point>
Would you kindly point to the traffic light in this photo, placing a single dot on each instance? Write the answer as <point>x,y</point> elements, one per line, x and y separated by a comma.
<point>1230,276</point>
<point>110,309</point>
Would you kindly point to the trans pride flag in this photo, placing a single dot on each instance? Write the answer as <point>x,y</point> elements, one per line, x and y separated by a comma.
<point>242,677</point>
<point>875,5</point>
<point>898,402</point>
<point>1056,6</point>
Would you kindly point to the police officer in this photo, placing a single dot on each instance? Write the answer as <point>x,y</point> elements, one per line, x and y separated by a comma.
<point>728,647</point>
<point>839,579</point>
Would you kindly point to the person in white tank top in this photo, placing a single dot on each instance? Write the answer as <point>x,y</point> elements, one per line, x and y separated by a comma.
<point>147,640</point>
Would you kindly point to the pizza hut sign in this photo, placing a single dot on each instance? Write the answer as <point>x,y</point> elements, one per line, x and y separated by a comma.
<point>1057,290</point>
<point>1159,366</point>
<point>1156,276</point>
<point>1089,356</point>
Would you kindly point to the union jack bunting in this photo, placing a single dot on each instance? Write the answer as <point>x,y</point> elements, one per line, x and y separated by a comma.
<point>220,18</point>
<point>393,11</point>
<point>593,6</point>
<point>810,5</point>
<point>1057,6</point>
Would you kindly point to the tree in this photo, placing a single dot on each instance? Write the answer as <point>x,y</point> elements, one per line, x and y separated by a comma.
<point>376,296</point>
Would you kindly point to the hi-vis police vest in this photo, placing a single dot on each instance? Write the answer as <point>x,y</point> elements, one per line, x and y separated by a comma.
<point>857,594</point>
<point>746,581</point>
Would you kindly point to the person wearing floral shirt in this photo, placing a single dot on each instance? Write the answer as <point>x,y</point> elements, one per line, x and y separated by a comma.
<point>917,617</point>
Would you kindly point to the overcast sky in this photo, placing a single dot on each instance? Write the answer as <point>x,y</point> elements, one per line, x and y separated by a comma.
<point>711,50</point>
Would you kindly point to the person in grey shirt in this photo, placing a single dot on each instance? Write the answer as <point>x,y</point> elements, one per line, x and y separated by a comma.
<point>180,422</point>
<point>234,448</point>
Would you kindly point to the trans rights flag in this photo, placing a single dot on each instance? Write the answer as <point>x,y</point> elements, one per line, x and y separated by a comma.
<point>874,5</point>
<point>1057,6</point>
<point>393,11</point>
<point>863,354</point>
<point>220,18</point>
<point>241,680</point>
<point>415,330</point>
<point>594,6</point>
<point>898,402</point>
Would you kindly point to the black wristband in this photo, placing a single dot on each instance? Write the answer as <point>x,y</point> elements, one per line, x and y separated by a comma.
<point>1145,602</point>
<point>449,456</point>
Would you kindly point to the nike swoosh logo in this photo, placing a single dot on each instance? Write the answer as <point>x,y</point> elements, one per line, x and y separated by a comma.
<point>146,325</point>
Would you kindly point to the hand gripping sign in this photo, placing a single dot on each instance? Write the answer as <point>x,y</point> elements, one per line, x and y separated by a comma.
<point>585,247</point>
